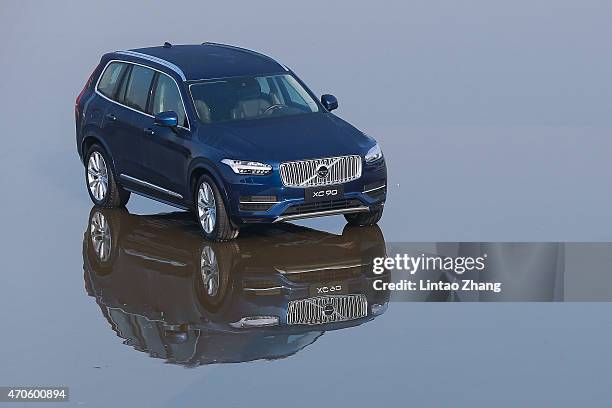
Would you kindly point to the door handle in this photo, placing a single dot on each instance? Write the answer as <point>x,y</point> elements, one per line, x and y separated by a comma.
<point>149,131</point>
<point>111,116</point>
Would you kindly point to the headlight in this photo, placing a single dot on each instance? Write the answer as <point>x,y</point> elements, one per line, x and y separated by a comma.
<point>248,167</point>
<point>373,154</point>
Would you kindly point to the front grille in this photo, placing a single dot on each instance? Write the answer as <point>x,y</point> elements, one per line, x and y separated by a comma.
<point>305,173</point>
<point>327,309</point>
<point>322,206</point>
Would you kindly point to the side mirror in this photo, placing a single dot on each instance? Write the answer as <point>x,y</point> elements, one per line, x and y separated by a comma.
<point>168,119</point>
<point>329,102</point>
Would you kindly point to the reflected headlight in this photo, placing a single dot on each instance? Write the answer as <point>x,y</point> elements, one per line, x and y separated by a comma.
<point>256,321</point>
<point>248,167</point>
<point>373,154</point>
<point>378,309</point>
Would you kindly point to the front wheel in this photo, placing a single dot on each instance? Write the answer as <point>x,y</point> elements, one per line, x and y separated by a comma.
<point>365,218</point>
<point>211,212</point>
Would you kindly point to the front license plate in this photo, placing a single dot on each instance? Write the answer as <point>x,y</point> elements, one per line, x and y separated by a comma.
<point>327,193</point>
<point>329,288</point>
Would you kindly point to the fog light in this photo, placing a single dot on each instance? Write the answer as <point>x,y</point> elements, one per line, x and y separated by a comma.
<point>258,199</point>
<point>256,321</point>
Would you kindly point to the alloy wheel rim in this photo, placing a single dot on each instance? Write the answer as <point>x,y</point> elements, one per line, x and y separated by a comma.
<point>209,268</point>
<point>101,238</point>
<point>97,176</point>
<point>207,210</point>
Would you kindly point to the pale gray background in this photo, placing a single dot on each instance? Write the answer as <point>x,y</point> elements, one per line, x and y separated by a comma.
<point>495,120</point>
<point>495,116</point>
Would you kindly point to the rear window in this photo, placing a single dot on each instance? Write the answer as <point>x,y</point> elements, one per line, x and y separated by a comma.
<point>110,79</point>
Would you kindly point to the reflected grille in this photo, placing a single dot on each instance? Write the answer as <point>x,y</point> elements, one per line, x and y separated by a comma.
<point>327,309</point>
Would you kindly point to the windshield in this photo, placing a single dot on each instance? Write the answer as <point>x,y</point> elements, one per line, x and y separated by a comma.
<point>248,98</point>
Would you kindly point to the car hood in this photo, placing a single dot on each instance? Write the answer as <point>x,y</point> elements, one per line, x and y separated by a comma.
<point>287,138</point>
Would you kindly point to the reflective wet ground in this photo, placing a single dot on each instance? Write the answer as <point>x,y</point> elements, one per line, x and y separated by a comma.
<point>139,298</point>
<point>263,297</point>
<point>487,138</point>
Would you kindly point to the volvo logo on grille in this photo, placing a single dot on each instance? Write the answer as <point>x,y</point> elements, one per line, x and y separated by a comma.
<point>328,309</point>
<point>322,171</point>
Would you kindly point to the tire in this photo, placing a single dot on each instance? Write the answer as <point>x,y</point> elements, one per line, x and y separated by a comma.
<point>211,213</point>
<point>364,219</point>
<point>102,237</point>
<point>101,180</point>
<point>213,279</point>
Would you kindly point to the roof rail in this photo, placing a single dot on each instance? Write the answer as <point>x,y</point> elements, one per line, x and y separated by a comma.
<point>156,60</point>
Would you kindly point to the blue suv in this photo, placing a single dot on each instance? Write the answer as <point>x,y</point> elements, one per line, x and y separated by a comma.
<point>226,132</point>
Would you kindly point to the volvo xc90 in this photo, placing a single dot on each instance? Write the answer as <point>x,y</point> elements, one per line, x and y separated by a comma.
<point>225,132</point>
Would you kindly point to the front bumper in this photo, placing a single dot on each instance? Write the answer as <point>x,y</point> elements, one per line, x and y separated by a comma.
<point>287,203</point>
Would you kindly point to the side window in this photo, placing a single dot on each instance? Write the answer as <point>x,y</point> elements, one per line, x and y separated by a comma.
<point>138,87</point>
<point>110,79</point>
<point>168,98</point>
<point>120,96</point>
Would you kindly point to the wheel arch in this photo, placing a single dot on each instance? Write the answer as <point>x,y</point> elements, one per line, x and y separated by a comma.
<point>92,137</point>
<point>199,167</point>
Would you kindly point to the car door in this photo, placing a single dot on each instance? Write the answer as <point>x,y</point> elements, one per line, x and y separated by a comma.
<point>168,151</point>
<point>130,119</point>
<point>113,114</point>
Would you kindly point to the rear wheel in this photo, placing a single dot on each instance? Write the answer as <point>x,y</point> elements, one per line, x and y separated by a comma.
<point>212,215</point>
<point>365,218</point>
<point>101,182</point>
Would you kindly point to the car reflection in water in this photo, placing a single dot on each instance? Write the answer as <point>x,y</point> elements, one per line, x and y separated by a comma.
<point>267,295</point>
